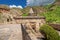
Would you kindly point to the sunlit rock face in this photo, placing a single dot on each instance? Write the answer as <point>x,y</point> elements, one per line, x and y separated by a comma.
<point>10,32</point>
<point>39,2</point>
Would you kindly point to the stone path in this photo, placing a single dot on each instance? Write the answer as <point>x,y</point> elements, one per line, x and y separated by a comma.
<point>10,32</point>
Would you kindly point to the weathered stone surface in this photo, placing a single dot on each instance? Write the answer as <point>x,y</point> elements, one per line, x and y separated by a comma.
<point>31,21</point>
<point>10,32</point>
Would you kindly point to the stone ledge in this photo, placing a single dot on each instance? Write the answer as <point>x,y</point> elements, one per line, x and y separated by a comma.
<point>30,17</point>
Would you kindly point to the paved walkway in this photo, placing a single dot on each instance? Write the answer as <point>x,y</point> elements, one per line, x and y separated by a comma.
<point>10,32</point>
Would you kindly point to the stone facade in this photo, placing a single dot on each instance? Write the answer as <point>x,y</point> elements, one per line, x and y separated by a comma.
<point>31,21</point>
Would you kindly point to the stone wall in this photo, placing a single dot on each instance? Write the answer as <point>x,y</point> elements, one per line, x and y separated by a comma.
<point>10,32</point>
<point>34,22</point>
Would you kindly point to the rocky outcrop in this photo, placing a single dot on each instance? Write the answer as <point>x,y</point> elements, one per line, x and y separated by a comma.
<point>5,7</point>
<point>16,12</point>
<point>55,26</point>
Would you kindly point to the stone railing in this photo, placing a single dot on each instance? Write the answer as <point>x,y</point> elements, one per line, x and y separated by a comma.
<point>30,17</point>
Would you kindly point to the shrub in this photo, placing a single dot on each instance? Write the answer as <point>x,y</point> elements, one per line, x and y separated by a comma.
<point>25,14</point>
<point>54,15</point>
<point>50,33</point>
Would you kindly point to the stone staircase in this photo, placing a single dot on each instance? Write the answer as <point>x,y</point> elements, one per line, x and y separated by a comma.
<point>33,35</point>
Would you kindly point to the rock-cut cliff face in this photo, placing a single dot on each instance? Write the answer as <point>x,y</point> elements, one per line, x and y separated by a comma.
<point>7,13</point>
<point>57,2</point>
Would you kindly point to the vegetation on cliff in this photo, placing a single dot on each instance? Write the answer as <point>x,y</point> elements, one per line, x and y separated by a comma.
<point>53,14</point>
<point>49,32</point>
